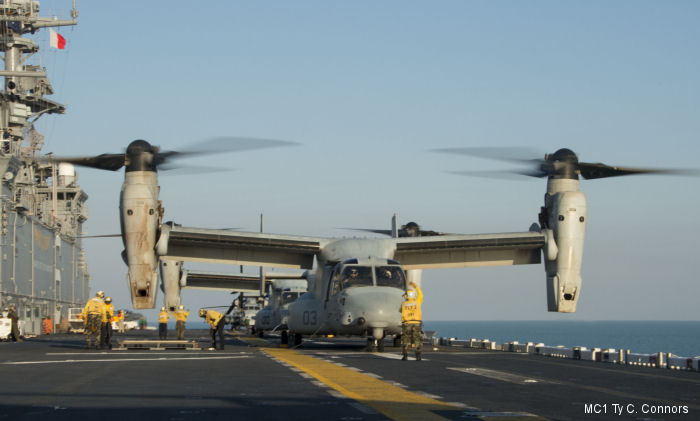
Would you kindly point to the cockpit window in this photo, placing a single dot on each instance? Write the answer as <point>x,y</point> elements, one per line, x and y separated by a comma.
<point>356,276</point>
<point>288,297</point>
<point>390,276</point>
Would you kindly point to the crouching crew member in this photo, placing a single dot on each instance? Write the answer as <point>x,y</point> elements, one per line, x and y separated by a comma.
<point>411,322</point>
<point>216,326</point>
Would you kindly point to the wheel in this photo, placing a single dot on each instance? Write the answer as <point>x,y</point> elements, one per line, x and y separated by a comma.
<point>397,340</point>
<point>284,339</point>
<point>297,339</point>
<point>380,345</point>
<point>371,345</point>
<point>261,334</point>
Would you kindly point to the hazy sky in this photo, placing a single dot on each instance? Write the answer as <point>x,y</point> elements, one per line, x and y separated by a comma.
<point>368,88</point>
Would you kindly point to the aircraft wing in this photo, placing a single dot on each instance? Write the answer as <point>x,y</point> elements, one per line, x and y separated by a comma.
<point>231,247</point>
<point>231,282</point>
<point>517,248</point>
<point>219,281</point>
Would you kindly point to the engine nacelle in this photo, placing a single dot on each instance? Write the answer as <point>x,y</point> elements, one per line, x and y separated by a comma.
<point>140,215</point>
<point>564,228</point>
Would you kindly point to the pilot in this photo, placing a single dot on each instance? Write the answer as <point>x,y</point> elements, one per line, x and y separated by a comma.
<point>180,319</point>
<point>93,314</point>
<point>351,279</point>
<point>411,322</point>
<point>163,324</point>
<point>216,326</point>
<point>106,332</point>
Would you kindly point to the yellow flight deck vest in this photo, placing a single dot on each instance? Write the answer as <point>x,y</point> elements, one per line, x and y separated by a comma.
<point>181,315</point>
<point>94,306</point>
<point>213,318</point>
<point>109,312</point>
<point>410,309</point>
<point>163,317</point>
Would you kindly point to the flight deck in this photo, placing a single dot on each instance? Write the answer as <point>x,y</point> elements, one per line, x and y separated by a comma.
<point>54,377</point>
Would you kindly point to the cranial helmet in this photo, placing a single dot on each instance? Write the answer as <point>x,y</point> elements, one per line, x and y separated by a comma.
<point>181,307</point>
<point>202,312</point>
<point>100,294</point>
<point>162,309</point>
<point>108,300</point>
<point>411,294</point>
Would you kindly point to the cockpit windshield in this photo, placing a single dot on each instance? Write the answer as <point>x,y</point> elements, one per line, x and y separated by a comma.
<point>356,276</point>
<point>289,297</point>
<point>390,276</point>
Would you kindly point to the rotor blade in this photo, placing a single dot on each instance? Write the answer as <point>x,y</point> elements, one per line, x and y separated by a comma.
<point>100,236</point>
<point>512,154</point>
<point>385,232</point>
<point>402,232</point>
<point>223,145</point>
<point>429,233</point>
<point>591,171</point>
<point>175,170</point>
<point>106,161</point>
<point>502,174</point>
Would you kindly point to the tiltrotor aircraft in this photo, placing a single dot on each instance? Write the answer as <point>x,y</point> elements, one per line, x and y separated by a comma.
<point>275,315</point>
<point>140,211</point>
<point>357,284</point>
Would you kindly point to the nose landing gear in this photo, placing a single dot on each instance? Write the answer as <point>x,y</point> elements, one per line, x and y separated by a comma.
<point>375,343</point>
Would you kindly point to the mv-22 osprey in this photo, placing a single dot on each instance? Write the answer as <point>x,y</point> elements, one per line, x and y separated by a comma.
<point>357,285</point>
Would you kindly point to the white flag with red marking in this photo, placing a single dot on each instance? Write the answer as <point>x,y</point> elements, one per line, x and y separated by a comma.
<point>57,41</point>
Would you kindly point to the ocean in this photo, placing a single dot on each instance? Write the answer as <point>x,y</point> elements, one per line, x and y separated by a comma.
<point>644,337</point>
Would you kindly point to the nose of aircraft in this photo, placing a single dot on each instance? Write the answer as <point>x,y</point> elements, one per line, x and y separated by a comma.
<point>379,307</point>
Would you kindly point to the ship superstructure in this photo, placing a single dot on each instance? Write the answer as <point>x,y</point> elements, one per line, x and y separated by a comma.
<point>42,207</point>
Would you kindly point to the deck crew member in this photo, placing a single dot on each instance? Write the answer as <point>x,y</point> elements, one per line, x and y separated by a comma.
<point>163,323</point>
<point>93,313</point>
<point>180,319</point>
<point>411,322</point>
<point>120,321</point>
<point>14,330</point>
<point>216,326</point>
<point>106,340</point>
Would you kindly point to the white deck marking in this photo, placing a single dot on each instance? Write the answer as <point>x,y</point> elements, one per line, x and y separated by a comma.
<point>336,394</point>
<point>134,353</point>
<point>103,360</point>
<point>396,356</point>
<point>497,375</point>
<point>428,395</point>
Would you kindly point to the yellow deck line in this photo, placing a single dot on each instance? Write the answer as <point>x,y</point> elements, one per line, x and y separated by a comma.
<point>394,402</point>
